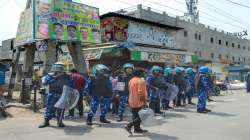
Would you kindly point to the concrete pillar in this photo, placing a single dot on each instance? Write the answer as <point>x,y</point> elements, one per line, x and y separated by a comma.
<point>76,53</point>
<point>15,60</point>
<point>27,69</point>
<point>50,57</point>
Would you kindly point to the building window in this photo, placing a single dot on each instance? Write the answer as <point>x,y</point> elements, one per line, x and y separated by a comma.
<point>220,56</point>
<point>239,46</point>
<point>212,55</point>
<point>244,47</point>
<point>239,59</point>
<point>244,59</point>
<point>226,43</point>
<point>219,42</point>
<point>227,56</point>
<point>185,33</point>
<point>233,58</point>
<point>200,53</point>
<point>212,40</point>
<point>199,37</point>
<point>233,45</point>
<point>195,52</point>
<point>196,36</point>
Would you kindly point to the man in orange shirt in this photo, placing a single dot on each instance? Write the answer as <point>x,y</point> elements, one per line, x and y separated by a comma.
<point>137,99</point>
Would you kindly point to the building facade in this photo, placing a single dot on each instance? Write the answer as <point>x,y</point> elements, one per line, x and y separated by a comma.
<point>215,48</point>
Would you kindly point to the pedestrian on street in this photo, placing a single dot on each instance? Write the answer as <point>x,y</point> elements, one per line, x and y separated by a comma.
<point>248,82</point>
<point>137,100</point>
<point>55,81</point>
<point>203,88</point>
<point>99,90</point>
<point>78,83</point>
<point>122,82</point>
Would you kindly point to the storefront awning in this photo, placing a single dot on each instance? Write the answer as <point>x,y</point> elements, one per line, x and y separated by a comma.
<point>142,53</point>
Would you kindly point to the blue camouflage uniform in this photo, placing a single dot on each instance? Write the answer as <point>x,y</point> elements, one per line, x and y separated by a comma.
<point>203,88</point>
<point>99,88</point>
<point>203,92</point>
<point>153,94</point>
<point>123,95</point>
<point>169,78</point>
<point>190,93</point>
<point>55,91</point>
<point>155,80</point>
<point>180,83</point>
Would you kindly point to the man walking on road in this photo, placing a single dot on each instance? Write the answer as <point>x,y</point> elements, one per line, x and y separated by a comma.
<point>137,99</point>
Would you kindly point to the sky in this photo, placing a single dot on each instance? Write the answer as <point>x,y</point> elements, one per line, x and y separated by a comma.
<point>215,13</point>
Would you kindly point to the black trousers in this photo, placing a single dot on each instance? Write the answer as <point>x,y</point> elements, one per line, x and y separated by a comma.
<point>136,120</point>
<point>79,106</point>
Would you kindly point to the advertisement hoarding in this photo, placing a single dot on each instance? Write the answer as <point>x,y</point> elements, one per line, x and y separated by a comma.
<point>25,28</point>
<point>59,20</point>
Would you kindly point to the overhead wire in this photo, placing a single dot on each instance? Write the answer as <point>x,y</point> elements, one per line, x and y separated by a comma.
<point>212,18</point>
<point>224,14</point>
<point>239,4</point>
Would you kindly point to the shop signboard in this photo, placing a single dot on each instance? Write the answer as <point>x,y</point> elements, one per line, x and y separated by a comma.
<point>93,54</point>
<point>158,57</point>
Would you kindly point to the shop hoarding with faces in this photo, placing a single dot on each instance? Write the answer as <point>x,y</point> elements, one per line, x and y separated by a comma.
<point>63,20</point>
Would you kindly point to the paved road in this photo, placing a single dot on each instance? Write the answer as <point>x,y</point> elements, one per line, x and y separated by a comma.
<point>230,120</point>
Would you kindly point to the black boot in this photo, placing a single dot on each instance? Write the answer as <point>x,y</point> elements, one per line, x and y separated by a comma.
<point>128,128</point>
<point>103,120</point>
<point>140,131</point>
<point>44,124</point>
<point>208,110</point>
<point>89,121</point>
<point>201,111</point>
<point>120,118</point>
<point>60,123</point>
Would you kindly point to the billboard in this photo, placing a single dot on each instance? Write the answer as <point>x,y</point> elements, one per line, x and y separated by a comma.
<point>24,32</point>
<point>62,20</point>
<point>66,21</point>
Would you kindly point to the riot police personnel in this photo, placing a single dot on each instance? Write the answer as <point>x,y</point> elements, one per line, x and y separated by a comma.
<point>99,88</point>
